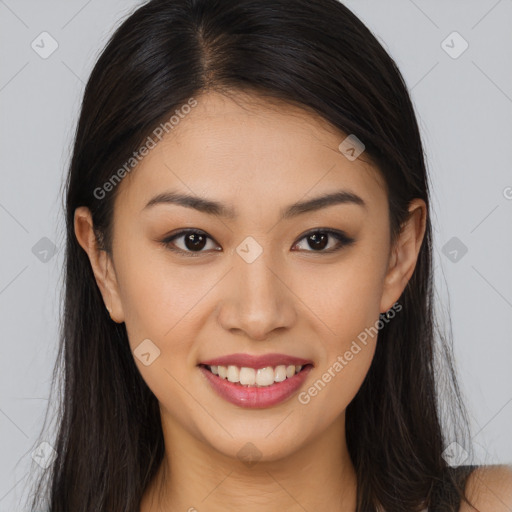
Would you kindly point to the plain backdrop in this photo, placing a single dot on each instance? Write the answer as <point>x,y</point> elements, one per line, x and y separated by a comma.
<point>456,59</point>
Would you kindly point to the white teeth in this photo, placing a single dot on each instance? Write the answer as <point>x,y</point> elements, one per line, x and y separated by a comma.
<point>233,374</point>
<point>259,378</point>
<point>280,373</point>
<point>247,376</point>
<point>265,376</point>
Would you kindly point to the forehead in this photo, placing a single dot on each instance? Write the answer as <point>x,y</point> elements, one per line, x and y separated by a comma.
<point>244,147</point>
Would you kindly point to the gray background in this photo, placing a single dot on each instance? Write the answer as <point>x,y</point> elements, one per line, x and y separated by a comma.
<point>464,106</point>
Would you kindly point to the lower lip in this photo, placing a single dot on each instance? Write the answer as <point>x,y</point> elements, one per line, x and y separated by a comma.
<point>256,397</point>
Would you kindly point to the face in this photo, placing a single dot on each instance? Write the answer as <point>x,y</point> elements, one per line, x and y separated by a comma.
<point>305,284</point>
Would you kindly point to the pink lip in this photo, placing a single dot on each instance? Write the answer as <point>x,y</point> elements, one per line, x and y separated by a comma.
<point>256,362</point>
<point>252,396</point>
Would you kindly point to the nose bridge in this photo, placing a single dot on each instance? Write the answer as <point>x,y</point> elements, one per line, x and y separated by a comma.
<point>258,302</point>
<point>256,280</point>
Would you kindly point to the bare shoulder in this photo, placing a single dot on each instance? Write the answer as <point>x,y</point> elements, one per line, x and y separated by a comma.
<point>489,488</point>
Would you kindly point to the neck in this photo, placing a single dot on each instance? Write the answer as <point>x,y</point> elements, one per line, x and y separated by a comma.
<point>194,476</point>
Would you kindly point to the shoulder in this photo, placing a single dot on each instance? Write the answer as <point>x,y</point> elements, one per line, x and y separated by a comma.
<point>489,489</point>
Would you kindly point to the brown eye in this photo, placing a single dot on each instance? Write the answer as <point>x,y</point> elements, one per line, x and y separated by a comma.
<point>318,240</point>
<point>192,242</point>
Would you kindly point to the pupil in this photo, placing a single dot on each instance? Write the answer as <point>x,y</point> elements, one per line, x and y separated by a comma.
<point>319,241</point>
<point>197,241</point>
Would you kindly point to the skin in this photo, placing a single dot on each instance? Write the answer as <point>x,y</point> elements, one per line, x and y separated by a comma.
<point>257,157</point>
<point>489,489</point>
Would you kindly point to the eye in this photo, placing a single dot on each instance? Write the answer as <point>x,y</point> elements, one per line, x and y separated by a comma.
<point>194,241</point>
<point>318,240</point>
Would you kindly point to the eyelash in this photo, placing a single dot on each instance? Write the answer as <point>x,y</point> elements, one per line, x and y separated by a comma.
<point>342,238</point>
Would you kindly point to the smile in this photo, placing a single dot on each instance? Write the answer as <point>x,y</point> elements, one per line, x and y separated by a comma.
<point>260,377</point>
<point>255,388</point>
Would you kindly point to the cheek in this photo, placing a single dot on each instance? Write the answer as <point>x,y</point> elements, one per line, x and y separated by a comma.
<point>346,300</point>
<point>158,298</point>
<point>161,302</point>
<point>335,385</point>
<point>345,296</point>
<point>348,314</point>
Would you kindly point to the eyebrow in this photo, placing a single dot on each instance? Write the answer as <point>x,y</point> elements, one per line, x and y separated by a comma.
<point>211,207</point>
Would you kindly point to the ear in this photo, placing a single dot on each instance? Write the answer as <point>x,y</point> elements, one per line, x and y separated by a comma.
<point>101,263</point>
<point>404,254</point>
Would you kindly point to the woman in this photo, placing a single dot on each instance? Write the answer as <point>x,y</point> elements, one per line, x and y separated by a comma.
<point>249,308</point>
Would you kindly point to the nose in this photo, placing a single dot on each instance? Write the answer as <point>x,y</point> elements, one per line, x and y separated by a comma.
<point>257,301</point>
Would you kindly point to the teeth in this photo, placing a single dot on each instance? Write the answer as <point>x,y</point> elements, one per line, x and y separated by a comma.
<point>280,373</point>
<point>247,376</point>
<point>233,374</point>
<point>259,378</point>
<point>265,376</point>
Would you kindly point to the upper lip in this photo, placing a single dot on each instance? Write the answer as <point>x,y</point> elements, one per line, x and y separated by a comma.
<point>262,361</point>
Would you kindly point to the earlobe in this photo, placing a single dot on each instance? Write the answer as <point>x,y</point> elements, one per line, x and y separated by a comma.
<point>101,263</point>
<point>404,254</point>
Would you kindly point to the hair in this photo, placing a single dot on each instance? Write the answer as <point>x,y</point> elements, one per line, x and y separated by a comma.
<point>313,54</point>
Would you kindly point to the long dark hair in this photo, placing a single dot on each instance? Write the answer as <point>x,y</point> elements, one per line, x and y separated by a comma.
<point>314,54</point>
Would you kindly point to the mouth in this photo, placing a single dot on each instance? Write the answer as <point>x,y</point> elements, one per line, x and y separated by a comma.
<point>255,388</point>
<point>256,377</point>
